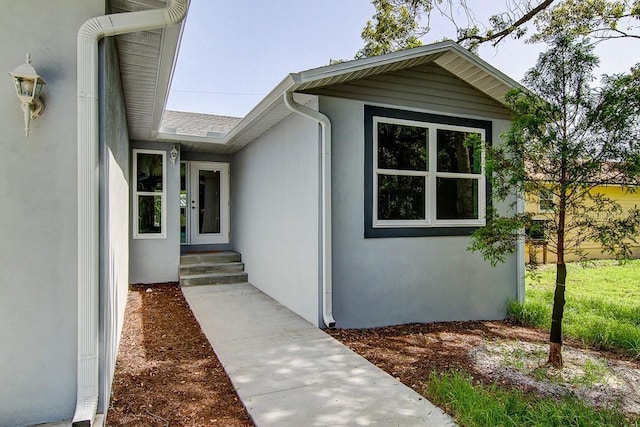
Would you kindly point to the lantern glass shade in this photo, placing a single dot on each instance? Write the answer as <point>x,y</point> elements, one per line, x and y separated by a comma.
<point>24,88</point>
<point>28,89</point>
<point>27,81</point>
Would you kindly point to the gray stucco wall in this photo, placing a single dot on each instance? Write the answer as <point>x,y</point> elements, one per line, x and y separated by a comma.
<point>114,215</point>
<point>38,250</point>
<point>383,281</point>
<point>156,260</point>
<point>274,208</point>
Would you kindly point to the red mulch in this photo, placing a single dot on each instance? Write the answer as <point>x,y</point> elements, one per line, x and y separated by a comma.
<point>167,374</point>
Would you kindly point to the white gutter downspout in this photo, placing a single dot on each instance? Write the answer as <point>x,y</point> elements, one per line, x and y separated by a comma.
<point>325,160</point>
<point>88,170</point>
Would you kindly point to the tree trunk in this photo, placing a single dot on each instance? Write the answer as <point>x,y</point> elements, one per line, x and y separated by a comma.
<point>555,350</point>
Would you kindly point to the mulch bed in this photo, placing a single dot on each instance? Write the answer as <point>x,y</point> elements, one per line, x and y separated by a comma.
<point>411,353</point>
<point>167,374</point>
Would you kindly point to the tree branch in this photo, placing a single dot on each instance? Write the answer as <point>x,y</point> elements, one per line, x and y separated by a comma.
<point>500,35</point>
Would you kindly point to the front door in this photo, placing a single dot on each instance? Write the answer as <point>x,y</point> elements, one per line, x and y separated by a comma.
<point>207,203</point>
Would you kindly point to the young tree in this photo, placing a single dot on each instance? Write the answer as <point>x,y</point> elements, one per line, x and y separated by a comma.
<point>567,138</point>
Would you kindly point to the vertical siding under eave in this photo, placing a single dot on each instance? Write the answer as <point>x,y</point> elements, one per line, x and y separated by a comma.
<point>424,87</point>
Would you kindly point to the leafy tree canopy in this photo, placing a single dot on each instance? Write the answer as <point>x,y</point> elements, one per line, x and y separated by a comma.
<point>397,22</point>
<point>394,28</point>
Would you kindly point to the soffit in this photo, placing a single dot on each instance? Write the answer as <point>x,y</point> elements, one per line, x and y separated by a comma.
<point>146,64</point>
<point>493,83</point>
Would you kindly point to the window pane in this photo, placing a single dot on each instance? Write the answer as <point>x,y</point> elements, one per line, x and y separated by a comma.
<point>149,214</point>
<point>149,173</point>
<point>456,152</point>
<point>209,194</point>
<point>402,147</point>
<point>401,197</point>
<point>457,198</point>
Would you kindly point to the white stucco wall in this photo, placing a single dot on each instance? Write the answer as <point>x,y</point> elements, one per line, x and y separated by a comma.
<point>156,260</point>
<point>38,249</point>
<point>383,281</point>
<point>274,208</point>
<point>114,215</point>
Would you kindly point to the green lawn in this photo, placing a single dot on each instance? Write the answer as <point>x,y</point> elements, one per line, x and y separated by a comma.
<point>602,303</point>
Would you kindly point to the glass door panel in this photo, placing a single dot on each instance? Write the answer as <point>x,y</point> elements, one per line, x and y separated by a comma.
<point>209,201</point>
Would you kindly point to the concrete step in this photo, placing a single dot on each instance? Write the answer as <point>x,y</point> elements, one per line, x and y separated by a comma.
<point>213,278</point>
<point>211,267</point>
<point>210,257</point>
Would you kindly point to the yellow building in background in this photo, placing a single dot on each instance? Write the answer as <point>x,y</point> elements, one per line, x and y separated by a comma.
<point>541,205</point>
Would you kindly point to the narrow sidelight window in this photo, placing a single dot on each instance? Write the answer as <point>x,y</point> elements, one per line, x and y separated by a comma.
<point>149,194</point>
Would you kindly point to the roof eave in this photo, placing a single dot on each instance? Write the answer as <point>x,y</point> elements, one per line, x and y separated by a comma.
<point>258,112</point>
<point>166,67</point>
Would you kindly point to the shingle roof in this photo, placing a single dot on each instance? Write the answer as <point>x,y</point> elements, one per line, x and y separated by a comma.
<point>196,124</point>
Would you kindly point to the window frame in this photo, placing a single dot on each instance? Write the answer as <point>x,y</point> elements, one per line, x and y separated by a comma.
<point>430,226</point>
<point>137,194</point>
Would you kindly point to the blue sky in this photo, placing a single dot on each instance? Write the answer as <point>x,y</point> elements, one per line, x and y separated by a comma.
<point>234,52</point>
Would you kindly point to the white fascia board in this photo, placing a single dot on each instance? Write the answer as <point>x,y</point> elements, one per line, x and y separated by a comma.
<point>209,144</point>
<point>334,70</point>
<point>179,137</point>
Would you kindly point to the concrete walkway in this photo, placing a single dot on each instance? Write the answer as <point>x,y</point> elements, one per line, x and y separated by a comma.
<point>289,373</point>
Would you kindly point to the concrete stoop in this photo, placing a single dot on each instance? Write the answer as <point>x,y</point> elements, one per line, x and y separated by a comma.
<point>212,268</point>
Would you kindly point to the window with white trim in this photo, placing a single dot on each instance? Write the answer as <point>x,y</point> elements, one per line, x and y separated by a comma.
<point>149,196</point>
<point>426,172</point>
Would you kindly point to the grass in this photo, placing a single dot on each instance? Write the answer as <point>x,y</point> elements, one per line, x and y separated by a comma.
<point>602,304</point>
<point>477,405</point>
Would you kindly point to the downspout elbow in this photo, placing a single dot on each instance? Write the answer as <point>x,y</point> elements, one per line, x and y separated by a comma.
<point>327,274</point>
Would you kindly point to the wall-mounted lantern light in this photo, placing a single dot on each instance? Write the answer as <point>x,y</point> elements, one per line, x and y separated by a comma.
<point>28,86</point>
<point>173,155</point>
